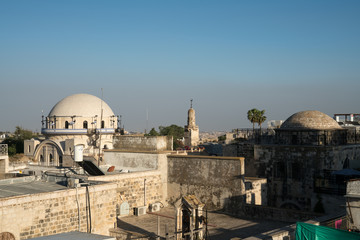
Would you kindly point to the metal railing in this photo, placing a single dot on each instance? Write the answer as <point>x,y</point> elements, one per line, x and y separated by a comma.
<point>3,149</point>
<point>338,223</point>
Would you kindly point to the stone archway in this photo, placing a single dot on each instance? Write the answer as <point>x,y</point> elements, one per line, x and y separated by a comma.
<point>7,236</point>
<point>48,153</point>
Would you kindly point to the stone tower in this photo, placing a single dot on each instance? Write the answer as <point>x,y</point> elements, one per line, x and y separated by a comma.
<point>191,129</point>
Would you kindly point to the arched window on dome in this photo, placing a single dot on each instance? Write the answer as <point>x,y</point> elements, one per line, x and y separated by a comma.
<point>66,125</point>
<point>85,124</point>
<point>102,124</point>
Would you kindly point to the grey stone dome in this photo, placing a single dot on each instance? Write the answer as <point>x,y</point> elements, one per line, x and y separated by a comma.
<point>310,120</point>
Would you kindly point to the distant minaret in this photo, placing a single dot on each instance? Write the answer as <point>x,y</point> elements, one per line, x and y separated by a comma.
<point>191,129</point>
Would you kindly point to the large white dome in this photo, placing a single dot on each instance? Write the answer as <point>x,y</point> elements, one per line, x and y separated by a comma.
<point>81,105</point>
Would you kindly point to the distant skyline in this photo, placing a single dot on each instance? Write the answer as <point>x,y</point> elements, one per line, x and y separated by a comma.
<point>154,56</point>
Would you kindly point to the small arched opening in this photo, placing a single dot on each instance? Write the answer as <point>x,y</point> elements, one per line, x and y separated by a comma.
<point>102,124</point>
<point>42,160</point>
<point>7,236</point>
<point>66,125</point>
<point>51,159</point>
<point>85,124</point>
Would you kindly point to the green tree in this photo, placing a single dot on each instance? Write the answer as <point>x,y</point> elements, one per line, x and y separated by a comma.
<point>16,142</point>
<point>222,138</point>
<point>252,115</point>
<point>152,132</point>
<point>175,131</point>
<point>261,118</point>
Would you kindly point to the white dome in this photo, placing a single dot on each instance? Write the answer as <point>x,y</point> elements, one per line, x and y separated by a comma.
<point>81,105</point>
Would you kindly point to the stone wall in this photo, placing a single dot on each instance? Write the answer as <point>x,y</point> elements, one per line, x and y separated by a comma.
<point>292,170</point>
<point>45,214</point>
<point>4,164</point>
<point>271,213</point>
<point>217,181</point>
<point>141,143</point>
<point>131,188</point>
<point>242,149</point>
<point>353,204</point>
<point>131,160</point>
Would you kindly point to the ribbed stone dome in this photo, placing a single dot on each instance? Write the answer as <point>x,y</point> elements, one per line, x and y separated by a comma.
<point>84,105</point>
<point>310,120</point>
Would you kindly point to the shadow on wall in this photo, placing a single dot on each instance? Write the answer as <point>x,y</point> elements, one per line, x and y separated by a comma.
<point>234,204</point>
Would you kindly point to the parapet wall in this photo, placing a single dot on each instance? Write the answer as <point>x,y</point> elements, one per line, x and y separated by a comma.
<point>217,181</point>
<point>142,143</point>
<point>131,160</point>
<point>45,214</point>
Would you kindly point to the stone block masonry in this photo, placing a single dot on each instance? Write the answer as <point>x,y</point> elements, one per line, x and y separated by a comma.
<point>45,214</point>
<point>217,181</point>
<point>138,189</point>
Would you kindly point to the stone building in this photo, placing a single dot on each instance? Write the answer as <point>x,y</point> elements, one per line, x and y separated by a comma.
<point>79,119</point>
<point>353,204</point>
<point>191,129</point>
<point>300,164</point>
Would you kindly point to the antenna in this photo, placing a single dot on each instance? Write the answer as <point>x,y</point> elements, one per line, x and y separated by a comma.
<point>42,118</point>
<point>147,120</point>
<point>101,125</point>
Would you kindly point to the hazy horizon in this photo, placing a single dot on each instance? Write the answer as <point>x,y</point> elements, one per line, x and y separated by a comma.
<point>154,56</point>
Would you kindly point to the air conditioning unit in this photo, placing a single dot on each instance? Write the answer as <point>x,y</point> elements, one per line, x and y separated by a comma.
<point>140,210</point>
<point>155,207</point>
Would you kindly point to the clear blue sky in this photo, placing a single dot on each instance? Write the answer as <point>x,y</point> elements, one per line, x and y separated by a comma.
<point>229,56</point>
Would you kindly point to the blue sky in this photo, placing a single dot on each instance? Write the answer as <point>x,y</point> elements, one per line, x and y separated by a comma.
<point>229,56</point>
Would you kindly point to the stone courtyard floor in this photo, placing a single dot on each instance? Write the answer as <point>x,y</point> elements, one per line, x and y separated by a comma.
<point>221,226</point>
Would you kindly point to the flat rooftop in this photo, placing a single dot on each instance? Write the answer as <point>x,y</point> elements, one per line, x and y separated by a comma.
<point>26,185</point>
<point>221,226</point>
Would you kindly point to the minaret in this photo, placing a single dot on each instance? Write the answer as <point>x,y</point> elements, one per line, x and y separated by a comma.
<point>191,129</point>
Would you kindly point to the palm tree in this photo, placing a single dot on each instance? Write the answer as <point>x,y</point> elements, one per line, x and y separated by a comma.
<point>252,115</point>
<point>261,118</point>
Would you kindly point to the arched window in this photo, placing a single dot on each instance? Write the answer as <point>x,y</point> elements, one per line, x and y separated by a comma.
<point>66,124</point>
<point>41,159</point>
<point>85,124</point>
<point>102,124</point>
<point>51,159</point>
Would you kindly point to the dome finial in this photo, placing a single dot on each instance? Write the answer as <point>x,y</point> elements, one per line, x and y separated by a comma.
<point>191,100</point>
